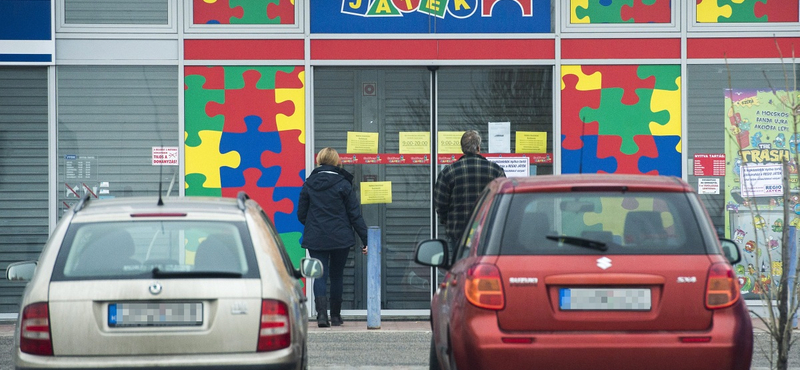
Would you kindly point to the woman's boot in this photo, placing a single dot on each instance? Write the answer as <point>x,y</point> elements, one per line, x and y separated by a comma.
<point>321,304</point>
<point>336,312</point>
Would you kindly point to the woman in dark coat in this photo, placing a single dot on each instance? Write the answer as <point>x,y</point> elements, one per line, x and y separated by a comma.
<point>330,211</point>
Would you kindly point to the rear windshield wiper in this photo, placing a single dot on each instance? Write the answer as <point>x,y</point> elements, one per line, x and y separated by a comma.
<point>158,273</point>
<point>581,242</point>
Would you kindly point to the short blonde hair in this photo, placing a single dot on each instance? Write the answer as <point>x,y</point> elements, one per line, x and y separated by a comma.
<point>328,156</point>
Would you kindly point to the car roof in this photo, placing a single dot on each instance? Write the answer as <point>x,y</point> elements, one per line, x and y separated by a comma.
<point>125,207</point>
<point>591,182</point>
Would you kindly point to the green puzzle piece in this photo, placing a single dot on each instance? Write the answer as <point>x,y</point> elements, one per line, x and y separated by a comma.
<point>255,12</point>
<point>742,11</point>
<point>626,121</point>
<point>196,98</point>
<point>599,13</point>
<point>665,75</point>
<point>234,76</point>
<point>291,241</point>
<point>195,182</point>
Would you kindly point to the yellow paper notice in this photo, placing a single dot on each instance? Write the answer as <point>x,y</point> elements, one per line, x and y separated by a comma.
<point>415,142</point>
<point>450,142</point>
<point>376,192</point>
<point>531,142</point>
<point>362,142</point>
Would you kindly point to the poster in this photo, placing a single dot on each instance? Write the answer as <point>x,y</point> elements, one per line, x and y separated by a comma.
<point>362,142</point>
<point>531,142</point>
<point>450,142</point>
<point>499,137</point>
<point>513,166</point>
<point>375,192</point>
<point>415,142</point>
<point>759,144</point>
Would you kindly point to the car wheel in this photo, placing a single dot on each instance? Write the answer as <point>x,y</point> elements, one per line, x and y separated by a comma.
<point>433,362</point>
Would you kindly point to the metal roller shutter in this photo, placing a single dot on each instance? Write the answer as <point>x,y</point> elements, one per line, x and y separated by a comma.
<point>116,12</point>
<point>23,172</point>
<point>109,120</point>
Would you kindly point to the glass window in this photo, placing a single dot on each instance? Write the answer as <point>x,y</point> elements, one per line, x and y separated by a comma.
<point>110,119</point>
<point>137,249</point>
<point>624,222</point>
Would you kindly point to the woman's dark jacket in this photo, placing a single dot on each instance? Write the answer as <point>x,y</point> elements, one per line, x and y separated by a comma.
<point>330,211</point>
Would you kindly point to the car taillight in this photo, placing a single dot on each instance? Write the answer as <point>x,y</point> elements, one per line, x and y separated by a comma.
<point>484,287</point>
<point>274,333</point>
<point>34,334</point>
<point>723,287</point>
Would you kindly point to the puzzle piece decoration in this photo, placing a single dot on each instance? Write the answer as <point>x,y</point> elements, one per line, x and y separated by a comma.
<point>605,130</point>
<point>648,11</point>
<point>778,11</point>
<point>245,128</point>
<point>214,12</point>
<point>250,145</point>
<point>620,11</point>
<point>707,11</point>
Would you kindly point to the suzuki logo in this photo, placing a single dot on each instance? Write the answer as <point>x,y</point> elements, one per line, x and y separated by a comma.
<point>604,263</point>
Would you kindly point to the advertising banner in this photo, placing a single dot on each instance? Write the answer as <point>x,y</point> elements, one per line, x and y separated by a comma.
<point>430,16</point>
<point>760,147</point>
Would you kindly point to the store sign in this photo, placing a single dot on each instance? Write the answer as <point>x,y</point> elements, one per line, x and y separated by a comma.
<point>513,167</point>
<point>709,164</point>
<point>430,16</point>
<point>761,180</point>
<point>165,156</point>
<point>26,32</point>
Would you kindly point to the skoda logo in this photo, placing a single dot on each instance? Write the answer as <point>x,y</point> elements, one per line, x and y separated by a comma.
<point>155,288</point>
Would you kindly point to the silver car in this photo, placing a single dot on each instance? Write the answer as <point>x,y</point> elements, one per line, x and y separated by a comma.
<point>183,283</point>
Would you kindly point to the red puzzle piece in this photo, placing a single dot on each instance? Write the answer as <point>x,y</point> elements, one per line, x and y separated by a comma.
<point>292,80</point>
<point>658,12</point>
<point>777,11</point>
<point>609,146</point>
<point>263,196</point>
<point>250,101</point>
<point>218,11</point>
<point>284,10</point>
<point>291,159</point>
<point>625,77</point>
<point>572,101</point>
<point>215,76</point>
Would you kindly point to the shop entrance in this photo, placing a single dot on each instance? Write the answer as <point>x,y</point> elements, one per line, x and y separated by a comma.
<point>395,103</point>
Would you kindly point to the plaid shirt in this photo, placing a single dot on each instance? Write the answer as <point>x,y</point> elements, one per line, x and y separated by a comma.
<point>458,187</point>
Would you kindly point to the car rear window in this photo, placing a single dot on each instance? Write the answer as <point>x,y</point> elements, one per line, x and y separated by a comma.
<point>623,222</point>
<point>134,249</point>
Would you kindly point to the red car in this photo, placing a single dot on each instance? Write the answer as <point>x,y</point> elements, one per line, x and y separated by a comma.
<point>588,271</point>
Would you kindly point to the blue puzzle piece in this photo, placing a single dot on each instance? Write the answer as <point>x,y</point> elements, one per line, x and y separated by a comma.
<point>585,160</point>
<point>250,145</point>
<point>286,223</point>
<point>668,162</point>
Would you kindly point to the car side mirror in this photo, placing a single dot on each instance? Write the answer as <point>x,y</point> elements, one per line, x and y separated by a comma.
<point>731,251</point>
<point>21,271</point>
<point>311,268</point>
<point>431,253</point>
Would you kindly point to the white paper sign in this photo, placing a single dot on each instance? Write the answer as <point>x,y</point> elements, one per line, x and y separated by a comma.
<point>761,180</point>
<point>513,166</point>
<point>165,156</point>
<point>499,137</point>
<point>707,186</point>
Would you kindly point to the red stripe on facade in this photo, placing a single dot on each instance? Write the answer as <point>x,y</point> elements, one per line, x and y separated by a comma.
<point>244,49</point>
<point>372,49</point>
<point>760,47</point>
<point>496,49</point>
<point>620,48</point>
<point>431,49</point>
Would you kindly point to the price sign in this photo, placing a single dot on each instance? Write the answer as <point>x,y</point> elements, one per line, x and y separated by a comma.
<point>415,142</point>
<point>450,142</point>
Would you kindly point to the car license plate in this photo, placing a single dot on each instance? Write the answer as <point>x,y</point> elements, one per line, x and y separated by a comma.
<point>604,299</point>
<point>155,314</point>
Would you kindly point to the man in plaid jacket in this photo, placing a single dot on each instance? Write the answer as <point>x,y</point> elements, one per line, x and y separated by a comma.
<point>460,184</point>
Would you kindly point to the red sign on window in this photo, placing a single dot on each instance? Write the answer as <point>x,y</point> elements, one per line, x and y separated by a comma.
<point>709,164</point>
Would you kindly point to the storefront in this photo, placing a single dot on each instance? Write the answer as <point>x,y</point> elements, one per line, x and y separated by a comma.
<point>210,97</point>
